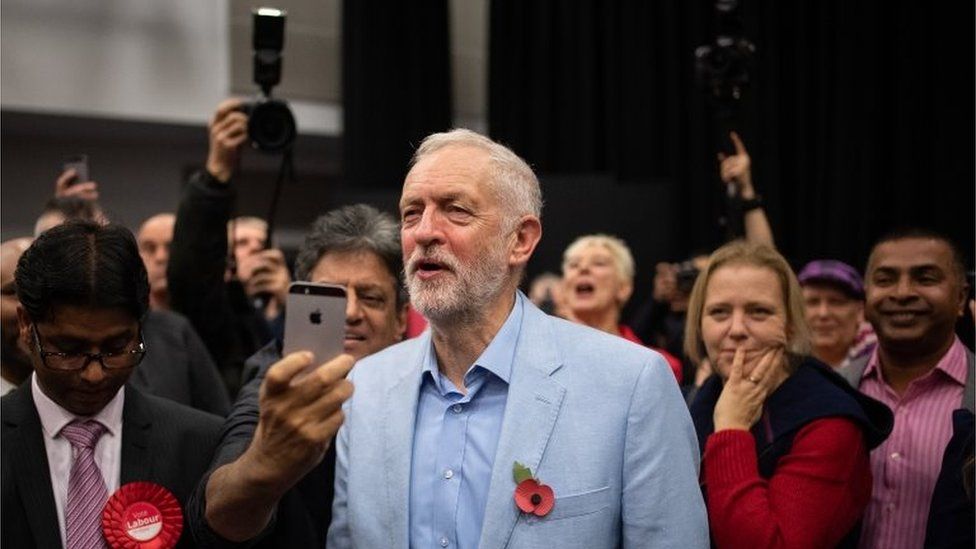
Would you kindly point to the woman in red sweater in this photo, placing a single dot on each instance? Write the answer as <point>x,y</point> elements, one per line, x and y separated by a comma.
<point>598,278</point>
<point>785,439</point>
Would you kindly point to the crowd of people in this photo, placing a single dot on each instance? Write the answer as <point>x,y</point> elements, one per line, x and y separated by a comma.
<point>744,405</point>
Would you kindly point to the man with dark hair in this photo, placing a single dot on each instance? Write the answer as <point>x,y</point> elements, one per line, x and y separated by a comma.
<point>180,368</point>
<point>915,291</point>
<point>77,432</point>
<point>359,248</point>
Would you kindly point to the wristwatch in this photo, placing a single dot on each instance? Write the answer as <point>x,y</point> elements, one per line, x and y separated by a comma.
<point>750,204</point>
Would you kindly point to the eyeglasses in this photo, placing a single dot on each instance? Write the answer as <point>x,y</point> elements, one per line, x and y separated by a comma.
<point>118,360</point>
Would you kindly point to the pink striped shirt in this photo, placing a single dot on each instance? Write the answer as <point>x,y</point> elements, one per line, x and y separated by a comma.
<point>906,466</point>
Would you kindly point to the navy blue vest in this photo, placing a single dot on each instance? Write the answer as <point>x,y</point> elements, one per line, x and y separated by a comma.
<point>814,391</point>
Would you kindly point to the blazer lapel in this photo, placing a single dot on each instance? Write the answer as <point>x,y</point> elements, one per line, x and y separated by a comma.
<point>533,404</point>
<point>137,460</point>
<point>32,472</point>
<point>400,418</point>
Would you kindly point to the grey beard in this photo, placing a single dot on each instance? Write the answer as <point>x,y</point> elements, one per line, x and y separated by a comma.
<point>466,299</point>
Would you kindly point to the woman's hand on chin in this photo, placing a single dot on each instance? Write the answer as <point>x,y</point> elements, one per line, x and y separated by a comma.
<point>740,404</point>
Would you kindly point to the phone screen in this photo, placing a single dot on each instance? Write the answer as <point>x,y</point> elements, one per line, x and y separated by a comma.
<point>315,320</point>
<point>78,163</point>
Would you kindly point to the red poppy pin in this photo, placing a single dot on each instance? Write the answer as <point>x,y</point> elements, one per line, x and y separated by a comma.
<point>532,496</point>
<point>142,515</point>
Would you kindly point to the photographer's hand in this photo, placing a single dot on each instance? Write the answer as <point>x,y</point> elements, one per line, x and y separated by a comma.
<point>737,168</point>
<point>228,131</point>
<point>266,272</point>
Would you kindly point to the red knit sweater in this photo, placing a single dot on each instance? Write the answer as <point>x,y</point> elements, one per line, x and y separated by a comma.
<point>814,498</point>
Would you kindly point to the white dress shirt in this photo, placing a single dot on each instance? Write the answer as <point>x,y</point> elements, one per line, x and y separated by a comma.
<point>60,454</point>
<point>6,386</point>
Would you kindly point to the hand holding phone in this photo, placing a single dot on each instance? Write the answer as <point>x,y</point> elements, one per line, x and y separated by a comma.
<point>78,163</point>
<point>315,320</point>
<point>75,180</point>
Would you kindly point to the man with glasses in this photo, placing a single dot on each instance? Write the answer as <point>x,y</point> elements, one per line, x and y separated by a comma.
<point>74,433</point>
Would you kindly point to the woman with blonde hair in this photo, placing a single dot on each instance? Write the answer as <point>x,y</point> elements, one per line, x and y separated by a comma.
<point>598,278</point>
<point>785,440</point>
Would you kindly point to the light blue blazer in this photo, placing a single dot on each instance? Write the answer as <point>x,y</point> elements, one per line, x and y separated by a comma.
<point>597,418</point>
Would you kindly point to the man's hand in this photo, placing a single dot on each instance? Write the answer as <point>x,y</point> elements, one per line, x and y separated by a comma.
<point>299,415</point>
<point>737,168</point>
<point>265,272</point>
<point>228,131</point>
<point>67,185</point>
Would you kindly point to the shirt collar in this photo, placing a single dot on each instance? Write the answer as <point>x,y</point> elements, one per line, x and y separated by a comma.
<point>952,364</point>
<point>54,417</point>
<point>497,357</point>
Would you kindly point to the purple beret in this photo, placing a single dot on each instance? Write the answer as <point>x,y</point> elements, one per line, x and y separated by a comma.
<point>836,273</point>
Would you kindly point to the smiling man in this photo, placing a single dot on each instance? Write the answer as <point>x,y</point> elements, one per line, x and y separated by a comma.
<point>445,430</point>
<point>75,431</point>
<point>357,247</point>
<point>916,290</point>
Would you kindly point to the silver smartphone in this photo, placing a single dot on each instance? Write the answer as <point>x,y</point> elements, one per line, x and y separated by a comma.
<point>315,320</point>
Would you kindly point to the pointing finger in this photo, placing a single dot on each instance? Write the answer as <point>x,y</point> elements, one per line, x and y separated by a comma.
<point>740,147</point>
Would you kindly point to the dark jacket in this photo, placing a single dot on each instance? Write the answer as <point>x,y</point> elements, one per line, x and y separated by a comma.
<point>220,312</point>
<point>162,442</point>
<point>303,515</point>
<point>951,515</point>
<point>177,365</point>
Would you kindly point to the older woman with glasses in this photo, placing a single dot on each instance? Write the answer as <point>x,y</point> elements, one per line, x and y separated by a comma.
<point>785,440</point>
<point>598,278</point>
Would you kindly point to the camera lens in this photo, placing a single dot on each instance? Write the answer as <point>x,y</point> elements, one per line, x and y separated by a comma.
<point>271,126</point>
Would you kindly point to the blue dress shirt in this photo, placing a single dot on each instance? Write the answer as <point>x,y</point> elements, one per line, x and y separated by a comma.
<point>454,443</point>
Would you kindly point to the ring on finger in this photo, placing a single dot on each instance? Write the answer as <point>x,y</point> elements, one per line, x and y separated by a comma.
<point>753,379</point>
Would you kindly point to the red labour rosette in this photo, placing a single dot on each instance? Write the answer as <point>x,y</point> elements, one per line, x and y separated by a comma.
<point>142,515</point>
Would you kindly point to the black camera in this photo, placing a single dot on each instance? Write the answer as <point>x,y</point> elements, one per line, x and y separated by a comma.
<point>271,125</point>
<point>723,67</point>
<point>685,276</point>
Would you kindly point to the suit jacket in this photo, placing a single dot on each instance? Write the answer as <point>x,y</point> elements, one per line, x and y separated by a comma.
<point>599,419</point>
<point>178,366</point>
<point>162,442</point>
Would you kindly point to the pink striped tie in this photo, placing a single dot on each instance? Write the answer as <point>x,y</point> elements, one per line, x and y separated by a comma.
<point>86,488</point>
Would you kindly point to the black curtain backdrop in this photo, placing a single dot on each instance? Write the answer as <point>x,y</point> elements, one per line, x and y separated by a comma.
<point>860,118</point>
<point>396,85</point>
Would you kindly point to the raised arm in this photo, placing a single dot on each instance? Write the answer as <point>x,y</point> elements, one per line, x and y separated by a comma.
<point>737,169</point>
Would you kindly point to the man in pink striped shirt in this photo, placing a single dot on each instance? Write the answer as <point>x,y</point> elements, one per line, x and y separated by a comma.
<point>916,289</point>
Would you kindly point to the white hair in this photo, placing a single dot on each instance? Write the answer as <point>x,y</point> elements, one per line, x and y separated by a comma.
<point>514,183</point>
<point>623,260</point>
